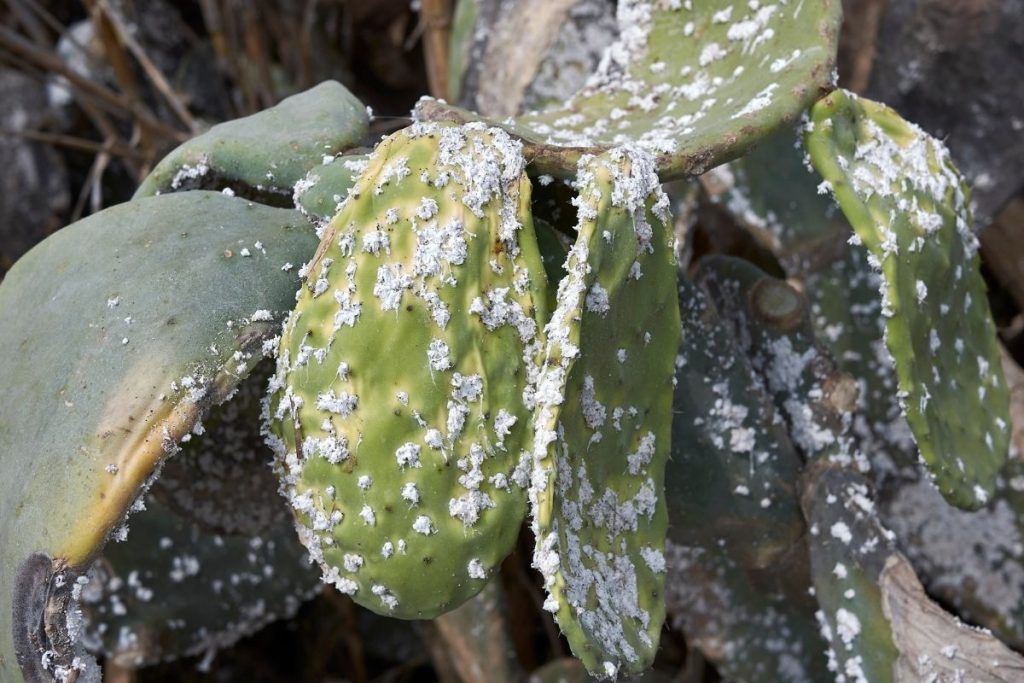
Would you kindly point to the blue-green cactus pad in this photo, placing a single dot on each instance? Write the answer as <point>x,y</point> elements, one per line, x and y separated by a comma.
<point>262,156</point>
<point>120,331</point>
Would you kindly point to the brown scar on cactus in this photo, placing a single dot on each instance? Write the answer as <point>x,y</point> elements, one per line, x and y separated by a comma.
<point>44,642</point>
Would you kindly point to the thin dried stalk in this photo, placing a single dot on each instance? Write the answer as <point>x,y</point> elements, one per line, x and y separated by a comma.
<point>156,77</point>
<point>436,20</point>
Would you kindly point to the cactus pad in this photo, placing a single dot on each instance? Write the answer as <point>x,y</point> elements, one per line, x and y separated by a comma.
<point>400,411</point>
<point>849,549</point>
<point>692,83</point>
<point>730,481</point>
<point>174,590</point>
<point>755,626</point>
<point>262,156</point>
<point>320,194</point>
<point>142,316</point>
<point>603,419</point>
<point>909,207</point>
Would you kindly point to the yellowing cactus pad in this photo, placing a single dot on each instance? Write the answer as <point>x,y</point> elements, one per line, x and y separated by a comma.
<point>604,416</point>
<point>909,206</point>
<point>401,408</point>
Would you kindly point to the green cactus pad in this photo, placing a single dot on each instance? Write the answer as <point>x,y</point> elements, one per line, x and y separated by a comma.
<point>694,86</point>
<point>849,549</point>
<point>755,626</point>
<point>174,590</point>
<point>262,156</point>
<point>603,419</point>
<point>400,411</point>
<point>773,320</point>
<point>320,194</point>
<point>734,512</point>
<point>909,207</point>
<point>731,480</point>
<point>212,558</point>
<point>121,330</point>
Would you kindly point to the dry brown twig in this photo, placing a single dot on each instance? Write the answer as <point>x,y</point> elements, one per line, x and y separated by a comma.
<point>436,25</point>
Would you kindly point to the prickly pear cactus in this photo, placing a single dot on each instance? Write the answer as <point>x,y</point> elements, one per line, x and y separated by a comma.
<point>400,411</point>
<point>734,512</point>
<point>910,209</point>
<point>263,156</point>
<point>849,549</point>
<point>874,613</point>
<point>143,316</point>
<point>603,419</point>
<point>212,556</point>
<point>773,194</point>
<point>772,321</point>
<point>692,83</point>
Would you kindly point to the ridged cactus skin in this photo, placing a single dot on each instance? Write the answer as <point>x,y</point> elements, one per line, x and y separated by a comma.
<point>175,590</point>
<point>142,316</point>
<point>731,480</point>
<point>400,410</point>
<point>262,156</point>
<point>694,84</point>
<point>603,419</point>
<point>910,208</point>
